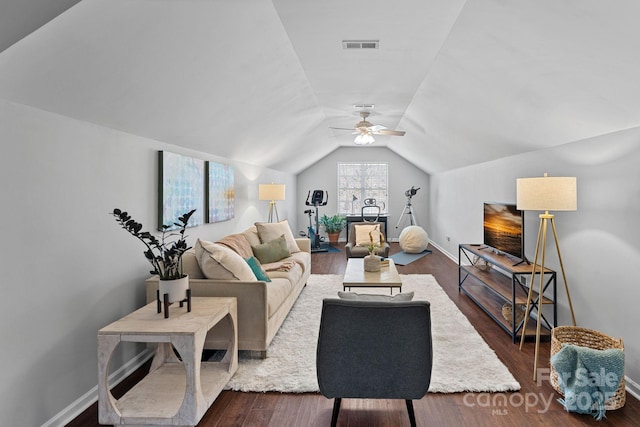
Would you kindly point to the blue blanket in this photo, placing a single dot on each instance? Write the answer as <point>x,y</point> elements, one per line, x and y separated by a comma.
<point>588,377</point>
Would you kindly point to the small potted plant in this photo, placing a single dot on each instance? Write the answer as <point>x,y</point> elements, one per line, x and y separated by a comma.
<point>333,225</point>
<point>165,255</point>
<point>372,261</point>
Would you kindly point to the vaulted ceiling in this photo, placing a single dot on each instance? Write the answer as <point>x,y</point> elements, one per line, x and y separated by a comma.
<point>262,81</point>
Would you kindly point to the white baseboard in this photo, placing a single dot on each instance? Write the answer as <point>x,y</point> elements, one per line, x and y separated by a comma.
<point>633,388</point>
<point>441,249</point>
<point>65,416</point>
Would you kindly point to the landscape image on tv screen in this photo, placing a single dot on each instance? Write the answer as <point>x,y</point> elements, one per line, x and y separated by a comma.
<point>503,228</point>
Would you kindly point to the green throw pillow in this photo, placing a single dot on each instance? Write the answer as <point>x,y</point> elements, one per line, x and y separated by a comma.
<point>257,269</point>
<point>272,251</point>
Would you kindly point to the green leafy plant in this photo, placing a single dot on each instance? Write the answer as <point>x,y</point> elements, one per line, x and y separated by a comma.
<point>333,224</point>
<point>165,256</point>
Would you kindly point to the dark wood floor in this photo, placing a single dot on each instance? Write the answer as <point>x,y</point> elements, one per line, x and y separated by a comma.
<point>534,405</point>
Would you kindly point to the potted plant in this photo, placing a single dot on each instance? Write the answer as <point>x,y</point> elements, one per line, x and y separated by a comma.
<point>372,261</point>
<point>165,255</point>
<point>333,225</point>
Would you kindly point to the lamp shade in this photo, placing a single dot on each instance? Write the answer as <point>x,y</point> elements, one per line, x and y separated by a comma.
<point>271,191</point>
<point>547,193</point>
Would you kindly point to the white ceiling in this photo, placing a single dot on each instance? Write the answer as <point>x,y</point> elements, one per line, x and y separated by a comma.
<point>261,81</point>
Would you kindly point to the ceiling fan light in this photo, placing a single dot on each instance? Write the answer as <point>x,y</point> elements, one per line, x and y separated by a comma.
<point>364,139</point>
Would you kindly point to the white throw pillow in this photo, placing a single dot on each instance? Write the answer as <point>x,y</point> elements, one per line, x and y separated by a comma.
<point>219,262</point>
<point>269,231</point>
<point>362,234</point>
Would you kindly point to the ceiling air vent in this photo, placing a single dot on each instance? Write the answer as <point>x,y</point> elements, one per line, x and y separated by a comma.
<point>360,44</point>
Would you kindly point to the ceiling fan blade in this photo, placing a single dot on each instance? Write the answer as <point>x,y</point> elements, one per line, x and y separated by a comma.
<point>390,132</point>
<point>365,130</point>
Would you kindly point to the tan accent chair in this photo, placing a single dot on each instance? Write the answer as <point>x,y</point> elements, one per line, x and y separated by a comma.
<point>354,251</point>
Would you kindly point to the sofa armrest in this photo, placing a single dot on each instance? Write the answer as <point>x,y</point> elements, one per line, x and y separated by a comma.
<point>304,244</point>
<point>347,249</point>
<point>226,288</point>
<point>252,304</point>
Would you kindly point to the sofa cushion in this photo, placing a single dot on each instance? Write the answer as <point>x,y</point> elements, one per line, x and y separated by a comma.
<point>219,262</point>
<point>361,251</point>
<point>370,297</point>
<point>257,269</point>
<point>293,274</point>
<point>362,234</point>
<point>303,259</point>
<point>272,230</point>
<point>272,251</point>
<point>278,290</point>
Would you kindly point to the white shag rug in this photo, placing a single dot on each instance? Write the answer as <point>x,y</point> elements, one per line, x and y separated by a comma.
<point>462,360</point>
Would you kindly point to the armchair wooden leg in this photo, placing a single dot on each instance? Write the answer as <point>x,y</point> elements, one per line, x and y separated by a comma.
<point>412,415</point>
<point>336,409</point>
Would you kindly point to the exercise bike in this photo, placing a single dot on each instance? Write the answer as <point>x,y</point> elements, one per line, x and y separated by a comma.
<point>316,199</point>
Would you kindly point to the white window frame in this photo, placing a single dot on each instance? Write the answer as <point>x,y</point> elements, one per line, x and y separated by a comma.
<point>362,180</point>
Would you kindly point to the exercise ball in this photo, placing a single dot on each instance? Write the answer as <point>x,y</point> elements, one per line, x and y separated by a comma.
<point>413,239</point>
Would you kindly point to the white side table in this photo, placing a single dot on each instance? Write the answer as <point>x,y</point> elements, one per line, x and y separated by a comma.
<point>177,391</point>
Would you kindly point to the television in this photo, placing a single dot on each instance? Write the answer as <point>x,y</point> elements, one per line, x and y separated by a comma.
<point>504,228</point>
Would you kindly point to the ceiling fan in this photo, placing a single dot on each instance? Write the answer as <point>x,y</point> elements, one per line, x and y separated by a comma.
<point>364,130</point>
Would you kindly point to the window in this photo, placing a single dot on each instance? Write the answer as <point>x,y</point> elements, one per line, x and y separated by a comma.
<point>360,181</point>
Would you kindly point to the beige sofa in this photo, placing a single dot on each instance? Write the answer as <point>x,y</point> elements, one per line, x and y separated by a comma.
<point>262,306</point>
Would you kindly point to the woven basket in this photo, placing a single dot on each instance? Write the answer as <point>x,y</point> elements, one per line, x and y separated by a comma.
<point>592,339</point>
<point>481,263</point>
<point>507,312</point>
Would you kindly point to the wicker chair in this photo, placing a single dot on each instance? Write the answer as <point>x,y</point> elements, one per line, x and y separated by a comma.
<point>359,356</point>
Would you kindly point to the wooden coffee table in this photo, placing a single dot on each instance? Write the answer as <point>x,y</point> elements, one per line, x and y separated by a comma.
<point>177,391</point>
<point>356,277</point>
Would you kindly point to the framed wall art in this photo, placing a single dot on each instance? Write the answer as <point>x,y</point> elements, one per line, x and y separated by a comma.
<point>180,188</point>
<point>220,192</point>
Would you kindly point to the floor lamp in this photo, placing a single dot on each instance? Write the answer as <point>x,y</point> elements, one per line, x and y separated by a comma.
<point>271,192</point>
<point>545,194</point>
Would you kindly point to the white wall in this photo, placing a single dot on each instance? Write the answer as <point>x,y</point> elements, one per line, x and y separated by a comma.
<point>323,175</point>
<point>67,267</point>
<point>599,243</point>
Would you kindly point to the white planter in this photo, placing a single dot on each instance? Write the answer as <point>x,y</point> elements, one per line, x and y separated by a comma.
<point>177,289</point>
<point>371,263</point>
